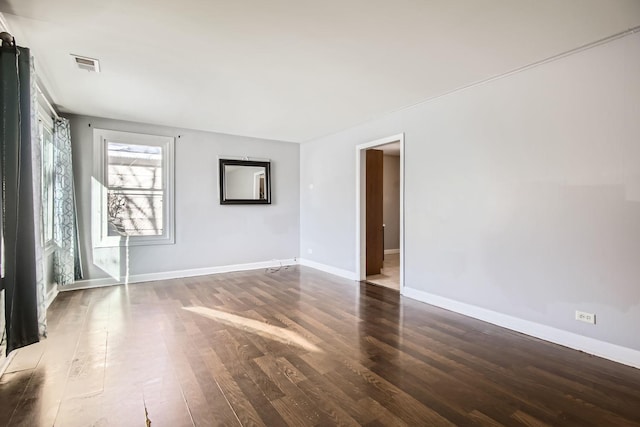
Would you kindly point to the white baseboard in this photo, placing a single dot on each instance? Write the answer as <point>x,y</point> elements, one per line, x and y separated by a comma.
<point>150,277</point>
<point>53,293</point>
<point>391,251</point>
<point>624,355</point>
<point>328,269</point>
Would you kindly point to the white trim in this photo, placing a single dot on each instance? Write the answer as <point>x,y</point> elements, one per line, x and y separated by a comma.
<point>360,238</point>
<point>45,117</point>
<point>45,124</point>
<point>391,251</point>
<point>99,224</point>
<point>46,102</point>
<point>256,184</point>
<point>346,274</point>
<point>177,274</point>
<point>53,293</point>
<point>624,355</point>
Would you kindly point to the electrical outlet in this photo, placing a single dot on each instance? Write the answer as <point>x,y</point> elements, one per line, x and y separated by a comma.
<point>309,251</point>
<point>586,317</point>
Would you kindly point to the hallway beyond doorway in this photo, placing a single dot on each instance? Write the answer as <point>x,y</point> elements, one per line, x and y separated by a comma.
<point>389,277</point>
<point>394,240</point>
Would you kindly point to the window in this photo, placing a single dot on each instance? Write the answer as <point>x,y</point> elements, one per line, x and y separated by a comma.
<point>133,199</point>
<point>45,129</point>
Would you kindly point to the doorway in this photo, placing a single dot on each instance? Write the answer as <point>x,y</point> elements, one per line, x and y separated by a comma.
<point>380,212</point>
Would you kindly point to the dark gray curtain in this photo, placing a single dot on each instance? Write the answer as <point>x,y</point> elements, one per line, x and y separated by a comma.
<point>18,217</point>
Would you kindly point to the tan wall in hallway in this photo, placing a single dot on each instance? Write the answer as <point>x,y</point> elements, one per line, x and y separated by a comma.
<point>391,202</point>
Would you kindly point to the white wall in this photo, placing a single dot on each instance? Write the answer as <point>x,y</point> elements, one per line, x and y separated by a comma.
<point>522,194</point>
<point>207,234</point>
<point>391,201</point>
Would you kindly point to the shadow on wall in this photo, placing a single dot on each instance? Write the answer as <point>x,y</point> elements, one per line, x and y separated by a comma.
<point>571,240</point>
<point>113,260</point>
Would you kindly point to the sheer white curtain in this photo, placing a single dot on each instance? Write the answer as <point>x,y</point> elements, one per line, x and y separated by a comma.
<point>65,268</point>
<point>36,161</point>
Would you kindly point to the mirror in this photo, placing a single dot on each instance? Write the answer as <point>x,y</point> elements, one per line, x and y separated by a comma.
<point>245,182</point>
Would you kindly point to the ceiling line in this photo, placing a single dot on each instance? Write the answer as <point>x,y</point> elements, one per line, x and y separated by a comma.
<point>535,64</point>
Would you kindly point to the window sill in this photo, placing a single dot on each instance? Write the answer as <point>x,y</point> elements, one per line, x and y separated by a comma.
<point>49,248</point>
<point>124,241</point>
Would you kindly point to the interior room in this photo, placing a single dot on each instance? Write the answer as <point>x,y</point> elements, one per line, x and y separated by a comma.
<point>293,213</point>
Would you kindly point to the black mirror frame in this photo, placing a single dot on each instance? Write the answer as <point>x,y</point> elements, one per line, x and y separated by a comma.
<point>267,176</point>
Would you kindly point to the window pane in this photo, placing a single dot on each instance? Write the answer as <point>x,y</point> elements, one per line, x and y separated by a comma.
<point>135,197</point>
<point>135,213</point>
<point>47,183</point>
<point>134,166</point>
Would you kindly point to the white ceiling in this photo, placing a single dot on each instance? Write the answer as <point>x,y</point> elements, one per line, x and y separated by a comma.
<point>290,69</point>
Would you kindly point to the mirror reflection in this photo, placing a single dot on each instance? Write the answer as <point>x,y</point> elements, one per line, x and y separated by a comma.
<point>244,182</point>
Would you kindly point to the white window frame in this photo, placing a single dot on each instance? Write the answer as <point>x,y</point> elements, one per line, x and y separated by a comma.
<point>45,121</point>
<point>99,214</point>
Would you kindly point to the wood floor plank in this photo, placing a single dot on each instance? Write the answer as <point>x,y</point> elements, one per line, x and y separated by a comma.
<point>243,408</point>
<point>298,347</point>
<point>302,408</point>
<point>331,409</point>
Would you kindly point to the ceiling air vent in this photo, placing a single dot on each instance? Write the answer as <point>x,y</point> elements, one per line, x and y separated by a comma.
<point>87,64</point>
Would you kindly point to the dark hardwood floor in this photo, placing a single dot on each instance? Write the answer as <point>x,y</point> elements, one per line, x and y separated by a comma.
<point>297,347</point>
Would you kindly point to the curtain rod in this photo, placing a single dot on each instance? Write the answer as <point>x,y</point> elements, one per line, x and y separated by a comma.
<point>47,103</point>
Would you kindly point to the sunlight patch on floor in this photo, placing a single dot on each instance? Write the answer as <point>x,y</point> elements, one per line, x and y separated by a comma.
<point>262,329</point>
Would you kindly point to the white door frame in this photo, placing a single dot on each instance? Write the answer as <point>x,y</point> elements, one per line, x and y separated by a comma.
<point>360,238</point>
